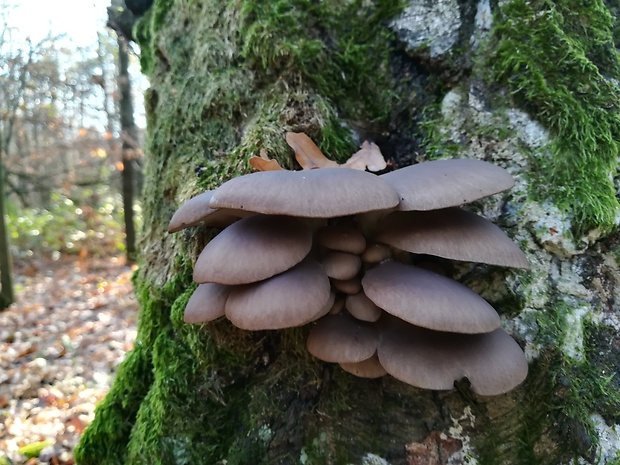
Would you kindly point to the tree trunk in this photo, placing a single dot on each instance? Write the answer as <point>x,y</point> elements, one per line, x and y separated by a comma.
<point>128,148</point>
<point>7,296</point>
<point>527,86</point>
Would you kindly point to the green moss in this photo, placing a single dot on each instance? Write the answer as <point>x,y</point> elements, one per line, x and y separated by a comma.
<point>557,59</point>
<point>556,400</point>
<point>332,45</point>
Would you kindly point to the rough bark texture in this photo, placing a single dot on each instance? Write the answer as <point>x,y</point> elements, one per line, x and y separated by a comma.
<point>129,145</point>
<point>527,85</point>
<point>6,269</point>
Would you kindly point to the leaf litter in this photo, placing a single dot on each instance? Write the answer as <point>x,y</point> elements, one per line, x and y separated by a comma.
<point>60,345</point>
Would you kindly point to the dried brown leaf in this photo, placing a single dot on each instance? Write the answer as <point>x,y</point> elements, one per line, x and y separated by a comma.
<point>264,163</point>
<point>307,154</point>
<point>368,157</point>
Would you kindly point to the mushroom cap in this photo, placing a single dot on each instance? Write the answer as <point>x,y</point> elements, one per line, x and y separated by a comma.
<point>342,238</point>
<point>362,308</point>
<point>286,300</point>
<point>320,193</point>
<point>347,286</point>
<point>207,303</point>
<point>342,339</point>
<point>338,304</point>
<point>326,308</point>
<point>426,299</point>
<point>493,362</point>
<point>197,210</point>
<point>451,233</point>
<point>253,249</point>
<point>376,253</point>
<point>369,368</point>
<point>447,183</point>
<point>341,265</point>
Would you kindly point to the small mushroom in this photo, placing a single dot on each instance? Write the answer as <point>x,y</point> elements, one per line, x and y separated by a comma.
<point>426,299</point>
<point>362,308</point>
<point>338,305</point>
<point>341,265</point>
<point>342,339</point>
<point>493,362</point>
<point>369,368</point>
<point>341,238</point>
<point>207,303</point>
<point>348,286</point>
<point>447,183</point>
<point>376,253</point>
<point>253,249</point>
<point>451,233</point>
<point>286,300</point>
<point>319,193</point>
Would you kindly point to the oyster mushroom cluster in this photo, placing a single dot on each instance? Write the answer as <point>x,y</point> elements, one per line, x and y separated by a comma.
<point>332,247</point>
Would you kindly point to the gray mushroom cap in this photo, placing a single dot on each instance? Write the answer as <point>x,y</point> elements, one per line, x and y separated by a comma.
<point>362,308</point>
<point>426,299</point>
<point>286,300</point>
<point>369,368</point>
<point>253,249</point>
<point>493,362</point>
<point>447,183</point>
<point>197,210</point>
<point>341,238</point>
<point>451,233</point>
<point>207,303</point>
<point>342,339</point>
<point>320,193</point>
<point>341,265</point>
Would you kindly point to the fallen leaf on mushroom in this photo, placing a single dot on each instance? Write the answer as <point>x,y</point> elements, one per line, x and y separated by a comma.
<point>329,246</point>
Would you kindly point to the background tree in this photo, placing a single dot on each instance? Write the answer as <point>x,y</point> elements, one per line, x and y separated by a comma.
<point>531,86</point>
<point>62,147</point>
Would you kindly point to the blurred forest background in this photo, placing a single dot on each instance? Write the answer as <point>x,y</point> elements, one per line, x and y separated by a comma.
<point>71,132</point>
<point>71,158</point>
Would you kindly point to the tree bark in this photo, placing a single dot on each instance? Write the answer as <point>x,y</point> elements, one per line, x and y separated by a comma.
<point>128,148</point>
<point>518,85</point>
<point>7,296</point>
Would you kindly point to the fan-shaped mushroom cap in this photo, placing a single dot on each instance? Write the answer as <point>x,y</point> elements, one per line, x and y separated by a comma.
<point>341,265</point>
<point>447,183</point>
<point>197,210</point>
<point>253,249</point>
<point>362,308</point>
<point>207,303</point>
<point>320,193</point>
<point>342,339</point>
<point>338,305</point>
<point>376,253</point>
<point>348,286</point>
<point>493,362</point>
<point>289,299</point>
<point>369,368</point>
<point>326,308</point>
<point>451,233</point>
<point>342,238</point>
<point>426,299</point>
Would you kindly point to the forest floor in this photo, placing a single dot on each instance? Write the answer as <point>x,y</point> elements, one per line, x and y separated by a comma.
<point>60,345</point>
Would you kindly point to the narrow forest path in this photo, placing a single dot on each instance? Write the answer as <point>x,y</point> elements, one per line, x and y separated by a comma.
<point>60,344</point>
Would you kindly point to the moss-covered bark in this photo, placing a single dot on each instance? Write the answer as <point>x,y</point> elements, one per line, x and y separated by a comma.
<point>229,78</point>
